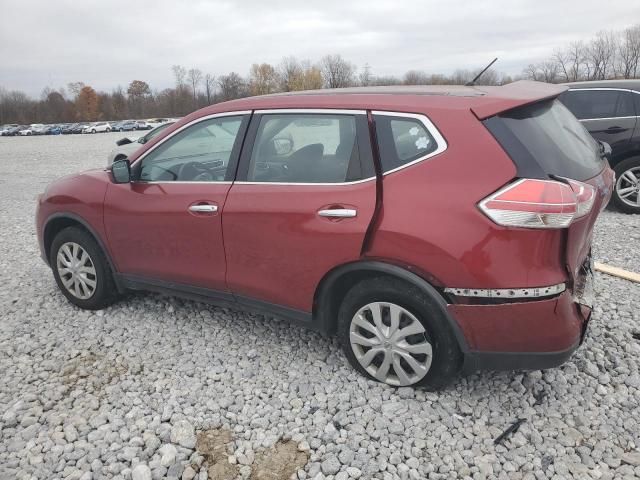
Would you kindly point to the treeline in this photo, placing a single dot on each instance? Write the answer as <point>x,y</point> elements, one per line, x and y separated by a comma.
<point>608,55</point>
<point>195,89</point>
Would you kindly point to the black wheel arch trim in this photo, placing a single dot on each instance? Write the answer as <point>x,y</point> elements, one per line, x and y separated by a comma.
<point>94,234</point>
<point>324,291</point>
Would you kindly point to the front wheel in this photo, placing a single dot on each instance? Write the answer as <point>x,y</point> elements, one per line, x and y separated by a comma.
<point>394,333</point>
<point>626,194</point>
<point>81,270</point>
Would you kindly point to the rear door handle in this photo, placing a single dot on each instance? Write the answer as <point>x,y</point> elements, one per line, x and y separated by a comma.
<point>615,129</point>
<point>338,213</point>
<point>207,208</point>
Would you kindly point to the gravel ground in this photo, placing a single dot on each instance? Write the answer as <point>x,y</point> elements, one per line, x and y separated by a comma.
<point>157,387</point>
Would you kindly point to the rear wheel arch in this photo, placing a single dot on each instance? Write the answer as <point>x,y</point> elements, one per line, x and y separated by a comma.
<point>333,288</point>
<point>58,222</point>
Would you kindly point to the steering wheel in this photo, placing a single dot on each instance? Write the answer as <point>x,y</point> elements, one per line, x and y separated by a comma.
<point>194,172</point>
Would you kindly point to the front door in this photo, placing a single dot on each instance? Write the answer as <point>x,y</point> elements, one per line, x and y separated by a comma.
<point>304,198</point>
<point>166,224</point>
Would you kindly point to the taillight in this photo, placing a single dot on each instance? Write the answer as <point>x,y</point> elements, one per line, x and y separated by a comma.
<point>530,203</point>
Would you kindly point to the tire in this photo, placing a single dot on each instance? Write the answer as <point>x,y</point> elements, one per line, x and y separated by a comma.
<point>624,203</point>
<point>93,131</point>
<point>104,291</point>
<point>446,359</point>
<point>121,130</point>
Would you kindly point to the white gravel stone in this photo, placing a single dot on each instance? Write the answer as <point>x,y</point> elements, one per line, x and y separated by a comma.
<point>107,392</point>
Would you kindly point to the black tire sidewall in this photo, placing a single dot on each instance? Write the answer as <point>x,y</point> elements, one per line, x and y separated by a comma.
<point>620,168</point>
<point>104,293</point>
<point>447,358</point>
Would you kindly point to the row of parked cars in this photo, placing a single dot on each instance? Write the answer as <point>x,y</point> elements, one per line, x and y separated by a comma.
<point>13,130</point>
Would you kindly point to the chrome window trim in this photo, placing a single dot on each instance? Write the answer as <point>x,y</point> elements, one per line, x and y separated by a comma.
<point>326,111</point>
<point>608,118</point>
<point>183,127</point>
<point>441,143</point>
<point>219,182</point>
<point>307,184</point>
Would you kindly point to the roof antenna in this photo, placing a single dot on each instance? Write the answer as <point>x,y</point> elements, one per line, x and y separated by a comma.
<point>473,82</point>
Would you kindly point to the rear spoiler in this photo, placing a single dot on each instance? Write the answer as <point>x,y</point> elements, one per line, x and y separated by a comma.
<point>513,95</point>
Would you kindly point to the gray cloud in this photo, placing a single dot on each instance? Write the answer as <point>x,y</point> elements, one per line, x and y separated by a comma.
<point>110,43</point>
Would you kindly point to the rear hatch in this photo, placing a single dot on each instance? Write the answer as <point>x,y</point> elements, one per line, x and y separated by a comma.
<point>546,142</point>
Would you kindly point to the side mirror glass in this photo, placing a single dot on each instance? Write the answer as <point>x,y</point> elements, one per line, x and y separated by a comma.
<point>121,171</point>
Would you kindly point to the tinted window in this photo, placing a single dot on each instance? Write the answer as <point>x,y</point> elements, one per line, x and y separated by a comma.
<point>592,104</point>
<point>546,135</point>
<point>199,153</point>
<point>402,140</point>
<point>305,148</point>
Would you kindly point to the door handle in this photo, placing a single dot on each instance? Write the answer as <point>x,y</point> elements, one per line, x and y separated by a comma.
<point>338,213</point>
<point>203,208</point>
<point>615,129</point>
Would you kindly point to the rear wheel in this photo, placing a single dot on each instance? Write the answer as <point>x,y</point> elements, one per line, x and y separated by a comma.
<point>81,270</point>
<point>393,333</point>
<point>626,195</point>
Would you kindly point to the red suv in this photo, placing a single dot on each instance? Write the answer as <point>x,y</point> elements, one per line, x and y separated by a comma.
<point>433,229</point>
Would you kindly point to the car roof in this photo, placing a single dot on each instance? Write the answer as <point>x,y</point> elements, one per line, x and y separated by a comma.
<point>484,101</point>
<point>626,84</point>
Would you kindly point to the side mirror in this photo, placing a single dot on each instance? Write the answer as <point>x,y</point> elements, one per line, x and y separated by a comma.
<point>121,171</point>
<point>123,141</point>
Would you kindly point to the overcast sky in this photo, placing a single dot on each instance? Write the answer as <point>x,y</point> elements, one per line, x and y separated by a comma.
<point>111,42</point>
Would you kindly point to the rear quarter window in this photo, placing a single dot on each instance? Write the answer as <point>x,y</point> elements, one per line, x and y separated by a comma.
<point>545,139</point>
<point>405,139</point>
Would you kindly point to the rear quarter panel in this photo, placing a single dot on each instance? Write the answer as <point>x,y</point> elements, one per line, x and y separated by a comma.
<point>430,220</point>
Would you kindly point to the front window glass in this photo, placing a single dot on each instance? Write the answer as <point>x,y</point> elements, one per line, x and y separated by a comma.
<point>304,148</point>
<point>199,153</point>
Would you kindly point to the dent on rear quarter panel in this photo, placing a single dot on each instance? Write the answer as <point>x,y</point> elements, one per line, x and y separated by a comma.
<point>430,218</point>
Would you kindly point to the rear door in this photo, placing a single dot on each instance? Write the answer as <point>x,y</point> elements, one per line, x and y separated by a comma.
<point>608,114</point>
<point>302,203</point>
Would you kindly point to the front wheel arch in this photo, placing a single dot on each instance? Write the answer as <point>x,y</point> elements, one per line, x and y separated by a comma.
<point>58,222</point>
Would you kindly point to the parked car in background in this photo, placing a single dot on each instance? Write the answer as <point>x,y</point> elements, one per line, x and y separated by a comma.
<point>79,127</point>
<point>433,229</point>
<point>26,131</point>
<point>143,125</point>
<point>610,110</point>
<point>68,128</point>
<point>126,126</point>
<point>54,130</point>
<point>15,130</point>
<point>97,127</point>
<point>6,129</point>
<point>127,146</point>
<point>39,129</point>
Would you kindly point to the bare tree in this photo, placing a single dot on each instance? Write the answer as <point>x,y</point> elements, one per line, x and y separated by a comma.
<point>209,87</point>
<point>601,56</point>
<point>75,88</point>
<point>195,77</point>
<point>232,86</point>
<point>628,63</point>
<point>289,72</point>
<point>336,71</point>
<point>416,77</point>
<point>180,74</point>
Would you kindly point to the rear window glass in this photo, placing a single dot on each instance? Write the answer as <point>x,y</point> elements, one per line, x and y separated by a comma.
<point>402,140</point>
<point>549,135</point>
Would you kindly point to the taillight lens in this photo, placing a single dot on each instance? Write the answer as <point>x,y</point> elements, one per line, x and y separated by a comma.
<point>530,203</point>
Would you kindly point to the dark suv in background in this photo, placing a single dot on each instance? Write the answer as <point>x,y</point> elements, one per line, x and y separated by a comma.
<point>609,109</point>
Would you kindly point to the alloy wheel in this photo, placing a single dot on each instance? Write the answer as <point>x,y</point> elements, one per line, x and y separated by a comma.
<point>77,271</point>
<point>390,343</point>
<point>628,187</point>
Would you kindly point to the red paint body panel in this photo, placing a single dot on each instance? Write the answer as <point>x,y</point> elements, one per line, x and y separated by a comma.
<point>81,195</point>
<point>152,234</point>
<point>541,326</point>
<point>278,248</point>
<point>430,218</point>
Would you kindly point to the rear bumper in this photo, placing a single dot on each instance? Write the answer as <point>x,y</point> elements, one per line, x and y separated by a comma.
<point>529,335</point>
